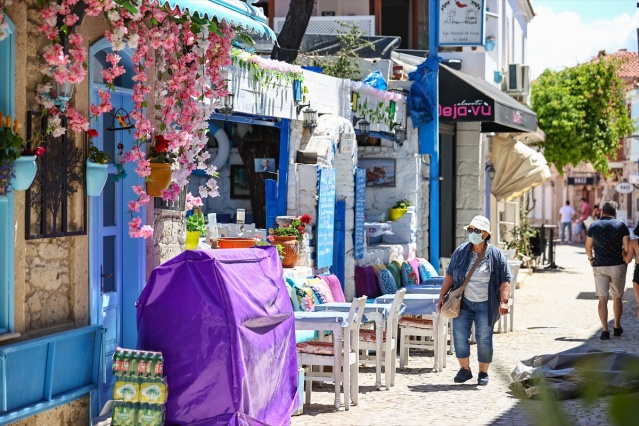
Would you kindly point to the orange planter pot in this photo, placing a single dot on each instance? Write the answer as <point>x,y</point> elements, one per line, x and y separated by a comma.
<point>159,179</point>
<point>291,249</point>
<point>225,243</point>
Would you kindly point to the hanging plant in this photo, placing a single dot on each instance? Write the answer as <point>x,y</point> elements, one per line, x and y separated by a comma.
<point>270,73</point>
<point>189,55</point>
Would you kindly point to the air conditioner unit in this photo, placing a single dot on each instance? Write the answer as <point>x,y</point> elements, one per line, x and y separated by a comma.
<point>518,79</point>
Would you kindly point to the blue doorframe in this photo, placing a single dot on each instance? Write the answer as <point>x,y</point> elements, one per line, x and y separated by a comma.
<point>339,239</point>
<point>7,106</point>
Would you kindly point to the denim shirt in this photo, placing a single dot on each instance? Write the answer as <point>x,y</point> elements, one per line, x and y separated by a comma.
<point>500,273</point>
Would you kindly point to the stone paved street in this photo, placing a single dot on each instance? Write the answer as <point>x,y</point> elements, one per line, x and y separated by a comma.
<point>554,311</point>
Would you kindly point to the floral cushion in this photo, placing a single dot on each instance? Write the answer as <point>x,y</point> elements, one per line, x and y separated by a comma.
<point>306,298</point>
<point>321,290</point>
<point>415,322</point>
<point>430,269</point>
<point>386,281</point>
<point>296,284</point>
<point>409,277</point>
<point>293,295</point>
<point>316,348</point>
<point>366,335</point>
<point>414,264</point>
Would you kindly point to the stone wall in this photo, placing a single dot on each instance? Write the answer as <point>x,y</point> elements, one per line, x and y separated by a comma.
<point>471,181</point>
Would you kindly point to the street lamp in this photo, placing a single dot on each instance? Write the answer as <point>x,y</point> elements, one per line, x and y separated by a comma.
<point>364,126</point>
<point>310,118</point>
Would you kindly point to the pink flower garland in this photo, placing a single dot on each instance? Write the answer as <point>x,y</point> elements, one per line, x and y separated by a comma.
<point>189,78</point>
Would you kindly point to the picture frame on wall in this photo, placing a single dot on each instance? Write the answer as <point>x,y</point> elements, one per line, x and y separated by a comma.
<point>265,165</point>
<point>240,181</point>
<point>380,172</point>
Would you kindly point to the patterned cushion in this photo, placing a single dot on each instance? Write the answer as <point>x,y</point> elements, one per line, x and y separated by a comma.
<point>430,269</point>
<point>321,290</point>
<point>386,281</point>
<point>366,282</point>
<point>414,264</point>
<point>293,295</point>
<point>366,335</point>
<point>409,277</point>
<point>335,286</point>
<point>423,273</point>
<point>312,283</point>
<point>306,298</point>
<point>415,322</point>
<point>296,283</point>
<point>316,348</point>
<point>395,269</point>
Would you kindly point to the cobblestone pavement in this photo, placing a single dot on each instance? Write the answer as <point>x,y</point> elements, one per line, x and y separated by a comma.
<point>554,310</point>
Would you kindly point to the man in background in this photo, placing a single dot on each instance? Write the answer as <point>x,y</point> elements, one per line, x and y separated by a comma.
<point>585,214</point>
<point>610,239</point>
<point>567,213</point>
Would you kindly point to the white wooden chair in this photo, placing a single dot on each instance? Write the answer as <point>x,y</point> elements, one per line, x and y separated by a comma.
<point>316,353</point>
<point>515,265</point>
<point>368,339</point>
<point>427,332</point>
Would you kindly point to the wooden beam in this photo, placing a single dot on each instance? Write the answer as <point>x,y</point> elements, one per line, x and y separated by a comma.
<point>377,11</point>
<point>271,12</point>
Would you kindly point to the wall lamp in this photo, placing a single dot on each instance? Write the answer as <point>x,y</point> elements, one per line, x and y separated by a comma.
<point>364,126</point>
<point>400,133</point>
<point>310,118</point>
<point>299,107</point>
<point>64,92</point>
<point>228,107</point>
<point>491,170</point>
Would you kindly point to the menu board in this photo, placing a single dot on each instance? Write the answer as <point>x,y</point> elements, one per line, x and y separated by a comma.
<point>325,217</point>
<point>360,214</point>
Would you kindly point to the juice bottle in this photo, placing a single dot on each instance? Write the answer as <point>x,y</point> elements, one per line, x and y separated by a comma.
<point>142,362</point>
<point>125,356</point>
<point>133,363</point>
<point>116,367</point>
<point>150,365</point>
<point>159,365</point>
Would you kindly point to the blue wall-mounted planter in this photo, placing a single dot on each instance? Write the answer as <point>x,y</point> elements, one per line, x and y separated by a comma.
<point>96,178</point>
<point>497,76</point>
<point>25,170</point>
<point>490,44</point>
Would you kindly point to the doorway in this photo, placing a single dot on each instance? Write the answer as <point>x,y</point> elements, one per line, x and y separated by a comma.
<point>447,194</point>
<point>395,20</point>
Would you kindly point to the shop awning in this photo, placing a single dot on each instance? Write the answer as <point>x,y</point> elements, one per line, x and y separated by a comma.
<point>518,168</point>
<point>464,98</point>
<point>234,12</point>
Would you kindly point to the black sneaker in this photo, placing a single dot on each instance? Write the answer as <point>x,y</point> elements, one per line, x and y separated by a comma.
<point>463,375</point>
<point>482,379</point>
<point>617,331</point>
<point>605,335</point>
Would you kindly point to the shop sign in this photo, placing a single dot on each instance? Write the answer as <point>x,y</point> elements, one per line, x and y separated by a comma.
<point>346,143</point>
<point>360,212</point>
<point>624,188</point>
<point>467,110</point>
<point>461,22</point>
<point>581,180</point>
<point>633,178</point>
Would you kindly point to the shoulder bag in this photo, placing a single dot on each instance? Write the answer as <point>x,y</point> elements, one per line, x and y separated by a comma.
<point>452,300</point>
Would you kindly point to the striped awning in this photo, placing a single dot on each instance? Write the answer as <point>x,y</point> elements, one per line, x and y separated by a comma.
<point>233,12</point>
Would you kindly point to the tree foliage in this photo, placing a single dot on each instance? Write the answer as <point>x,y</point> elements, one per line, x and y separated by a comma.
<point>583,112</point>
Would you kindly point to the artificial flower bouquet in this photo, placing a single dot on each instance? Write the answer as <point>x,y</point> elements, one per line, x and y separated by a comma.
<point>297,228</point>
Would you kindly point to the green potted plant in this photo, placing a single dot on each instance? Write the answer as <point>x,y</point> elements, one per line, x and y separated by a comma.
<point>399,209</point>
<point>97,167</point>
<point>161,159</point>
<point>195,228</point>
<point>17,161</point>
<point>289,236</point>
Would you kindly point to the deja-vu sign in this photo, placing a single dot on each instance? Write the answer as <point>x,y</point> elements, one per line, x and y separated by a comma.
<point>461,22</point>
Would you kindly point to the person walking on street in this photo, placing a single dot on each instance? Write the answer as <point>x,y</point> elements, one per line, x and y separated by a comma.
<point>610,239</point>
<point>633,251</point>
<point>485,297</point>
<point>567,213</point>
<point>596,212</point>
<point>585,214</point>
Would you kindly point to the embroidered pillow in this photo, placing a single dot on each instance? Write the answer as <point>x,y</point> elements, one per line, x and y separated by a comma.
<point>293,296</point>
<point>414,264</point>
<point>432,272</point>
<point>295,283</point>
<point>396,271</point>
<point>386,282</point>
<point>409,277</point>
<point>366,282</point>
<point>306,298</point>
<point>321,290</point>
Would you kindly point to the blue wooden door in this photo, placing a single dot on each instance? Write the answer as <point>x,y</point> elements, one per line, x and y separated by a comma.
<point>108,226</point>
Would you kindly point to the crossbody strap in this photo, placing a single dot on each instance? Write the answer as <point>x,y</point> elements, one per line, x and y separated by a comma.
<point>470,273</point>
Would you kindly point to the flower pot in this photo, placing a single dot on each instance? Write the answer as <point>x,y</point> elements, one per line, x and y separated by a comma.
<point>25,169</point>
<point>225,243</point>
<point>192,240</point>
<point>396,214</point>
<point>159,179</point>
<point>97,175</point>
<point>290,247</point>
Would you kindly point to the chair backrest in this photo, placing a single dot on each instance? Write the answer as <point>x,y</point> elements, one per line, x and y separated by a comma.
<point>356,312</point>
<point>443,265</point>
<point>395,308</point>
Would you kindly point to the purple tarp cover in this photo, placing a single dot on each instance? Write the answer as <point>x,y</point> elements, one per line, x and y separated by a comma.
<point>224,323</point>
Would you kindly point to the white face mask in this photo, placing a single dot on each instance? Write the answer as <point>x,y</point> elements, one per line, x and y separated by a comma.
<point>475,238</point>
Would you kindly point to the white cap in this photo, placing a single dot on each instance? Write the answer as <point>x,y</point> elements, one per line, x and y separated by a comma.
<point>480,222</point>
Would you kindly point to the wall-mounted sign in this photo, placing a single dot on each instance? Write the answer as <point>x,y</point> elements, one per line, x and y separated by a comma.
<point>624,188</point>
<point>582,180</point>
<point>633,178</point>
<point>461,22</point>
<point>346,142</point>
<point>325,217</point>
<point>360,212</point>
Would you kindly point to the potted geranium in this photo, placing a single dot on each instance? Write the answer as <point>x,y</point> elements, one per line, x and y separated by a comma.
<point>97,167</point>
<point>161,159</point>
<point>17,161</point>
<point>289,236</point>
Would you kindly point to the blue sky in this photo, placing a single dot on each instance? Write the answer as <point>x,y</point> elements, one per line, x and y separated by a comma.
<point>567,32</point>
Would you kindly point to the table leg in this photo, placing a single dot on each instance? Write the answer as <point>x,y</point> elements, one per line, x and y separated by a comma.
<point>337,346</point>
<point>436,342</point>
<point>379,336</point>
<point>347,369</point>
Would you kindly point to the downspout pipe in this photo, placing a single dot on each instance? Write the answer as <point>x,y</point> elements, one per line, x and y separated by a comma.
<point>429,139</point>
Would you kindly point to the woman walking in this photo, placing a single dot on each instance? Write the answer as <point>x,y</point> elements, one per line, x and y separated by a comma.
<point>633,251</point>
<point>485,297</point>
